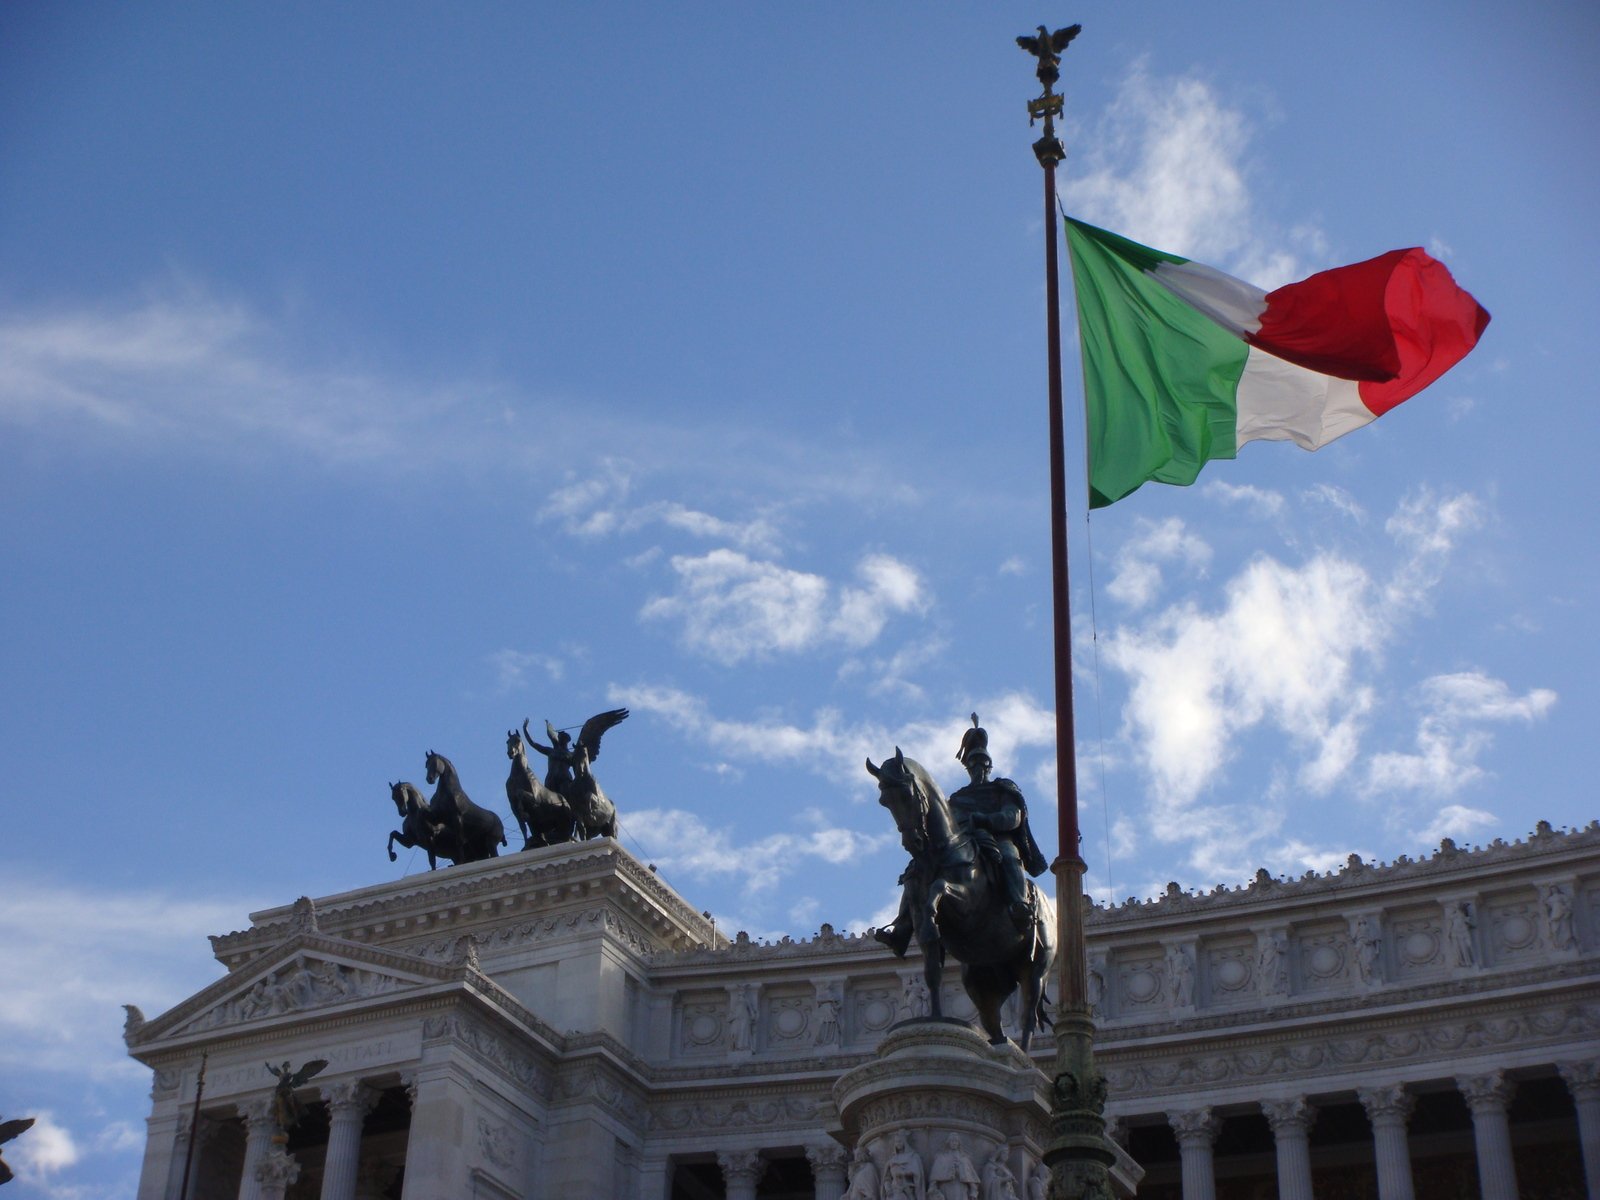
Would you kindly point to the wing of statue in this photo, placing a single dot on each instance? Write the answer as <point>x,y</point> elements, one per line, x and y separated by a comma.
<point>594,728</point>
<point>307,1071</point>
<point>10,1129</point>
<point>1060,38</point>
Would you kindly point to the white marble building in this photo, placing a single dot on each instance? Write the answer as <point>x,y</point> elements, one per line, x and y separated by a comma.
<point>559,1023</point>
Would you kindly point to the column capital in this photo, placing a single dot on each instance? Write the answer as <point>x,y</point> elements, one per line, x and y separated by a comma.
<point>257,1110</point>
<point>1490,1092</point>
<point>349,1095</point>
<point>1292,1114</point>
<point>826,1157</point>
<point>277,1169</point>
<point>1582,1077</point>
<point>742,1166</point>
<point>1387,1103</point>
<point>1195,1125</point>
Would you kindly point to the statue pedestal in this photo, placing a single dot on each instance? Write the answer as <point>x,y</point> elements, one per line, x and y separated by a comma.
<point>938,1093</point>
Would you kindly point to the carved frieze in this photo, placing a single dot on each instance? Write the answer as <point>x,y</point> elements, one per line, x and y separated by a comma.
<point>297,986</point>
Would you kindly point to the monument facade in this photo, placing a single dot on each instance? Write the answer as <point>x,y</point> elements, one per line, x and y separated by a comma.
<point>560,1023</point>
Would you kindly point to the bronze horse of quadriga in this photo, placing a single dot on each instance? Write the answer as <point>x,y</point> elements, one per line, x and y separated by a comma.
<point>543,815</point>
<point>958,907</point>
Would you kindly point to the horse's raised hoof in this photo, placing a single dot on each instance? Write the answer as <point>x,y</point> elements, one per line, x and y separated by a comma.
<point>391,856</point>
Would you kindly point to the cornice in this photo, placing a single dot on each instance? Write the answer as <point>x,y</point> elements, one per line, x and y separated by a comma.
<point>535,882</point>
<point>1545,847</point>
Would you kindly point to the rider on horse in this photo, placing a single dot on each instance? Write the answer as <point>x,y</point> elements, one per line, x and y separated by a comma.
<point>993,813</point>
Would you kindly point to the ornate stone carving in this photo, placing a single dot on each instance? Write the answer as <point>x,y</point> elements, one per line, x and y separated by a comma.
<point>1558,917</point>
<point>1459,923</point>
<point>498,1145</point>
<point>1387,1104</point>
<point>1582,1078</point>
<point>1489,1092</point>
<point>1365,934</point>
<point>297,986</point>
<point>1272,959</point>
<point>1291,1113</point>
<point>1180,976</point>
<point>788,1110</point>
<point>828,1003</point>
<point>743,1013</point>
<point>742,1167</point>
<point>490,1047</point>
<point>1195,1125</point>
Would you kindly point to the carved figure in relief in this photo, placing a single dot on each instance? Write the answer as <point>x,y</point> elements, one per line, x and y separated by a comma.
<point>1038,1182</point>
<point>543,815</point>
<point>569,772</point>
<point>916,1002</point>
<point>1368,949</point>
<point>903,1177</point>
<point>828,1015</point>
<point>1274,963</point>
<point>953,1177</point>
<point>998,1181</point>
<point>741,1017</point>
<point>1181,979</point>
<point>1558,913</point>
<point>863,1176</point>
<point>1458,925</point>
<point>953,904</point>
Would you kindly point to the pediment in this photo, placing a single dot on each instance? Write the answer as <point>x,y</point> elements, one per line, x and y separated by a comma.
<point>305,974</point>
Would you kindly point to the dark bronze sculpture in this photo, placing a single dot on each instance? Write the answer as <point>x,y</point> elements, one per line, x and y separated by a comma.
<point>569,772</point>
<point>286,1107</point>
<point>961,896</point>
<point>543,815</point>
<point>448,826</point>
<point>479,832</point>
<point>1047,48</point>
<point>9,1130</point>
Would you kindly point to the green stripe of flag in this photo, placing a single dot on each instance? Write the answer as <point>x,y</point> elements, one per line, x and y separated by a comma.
<point>1159,378</point>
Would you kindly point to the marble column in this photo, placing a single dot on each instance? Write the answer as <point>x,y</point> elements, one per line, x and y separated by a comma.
<point>1291,1120</point>
<point>1197,1129</point>
<point>1389,1108</point>
<point>741,1171</point>
<point>1489,1096</point>
<point>1583,1081</point>
<point>259,1125</point>
<point>348,1104</point>
<point>655,1178</point>
<point>276,1173</point>
<point>827,1169</point>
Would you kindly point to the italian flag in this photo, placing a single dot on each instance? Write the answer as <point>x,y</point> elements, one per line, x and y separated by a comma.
<point>1183,364</point>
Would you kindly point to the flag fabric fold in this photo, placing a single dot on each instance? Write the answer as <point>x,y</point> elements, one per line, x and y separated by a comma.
<point>1183,363</point>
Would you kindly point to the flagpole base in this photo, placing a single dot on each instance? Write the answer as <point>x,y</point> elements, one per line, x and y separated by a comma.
<point>1083,1163</point>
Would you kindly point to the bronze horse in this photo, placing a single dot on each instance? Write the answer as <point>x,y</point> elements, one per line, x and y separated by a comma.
<point>543,815</point>
<point>570,772</point>
<point>478,831</point>
<point>417,828</point>
<point>959,908</point>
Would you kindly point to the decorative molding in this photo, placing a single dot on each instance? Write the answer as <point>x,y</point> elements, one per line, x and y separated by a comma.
<point>787,1110</point>
<point>490,1047</point>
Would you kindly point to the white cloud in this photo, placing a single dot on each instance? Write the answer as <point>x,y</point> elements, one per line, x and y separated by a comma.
<point>601,505</point>
<point>1338,499</point>
<point>836,749</point>
<point>1266,503</point>
<point>1281,650</point>
<point>1166,165</point>
<point>1455,821</point>
<point>732,607</point>
<point>1449,739</point>
<point>42,1151</point>
<point>1137,576</point>
<point>512,666</point>
<point>76,955</point>
<point>679,841</point>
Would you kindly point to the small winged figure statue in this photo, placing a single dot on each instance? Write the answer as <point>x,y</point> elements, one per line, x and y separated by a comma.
<point>9,1130</point>
<point>286,1109</point>
<point>1047,48</point>
<point>569,774</point>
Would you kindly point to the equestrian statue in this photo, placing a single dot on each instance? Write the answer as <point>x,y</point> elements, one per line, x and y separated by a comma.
<point>967,891</point>
<point>568,772</point>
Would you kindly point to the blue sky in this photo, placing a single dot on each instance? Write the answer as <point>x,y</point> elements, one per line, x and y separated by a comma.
<point>373,377</point>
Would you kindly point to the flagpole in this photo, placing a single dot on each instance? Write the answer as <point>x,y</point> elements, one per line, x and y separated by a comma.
<point>194,1127</point>
<point>1077,1153</point>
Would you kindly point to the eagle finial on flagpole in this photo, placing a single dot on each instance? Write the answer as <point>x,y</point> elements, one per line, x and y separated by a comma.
<point>1047,48</point>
